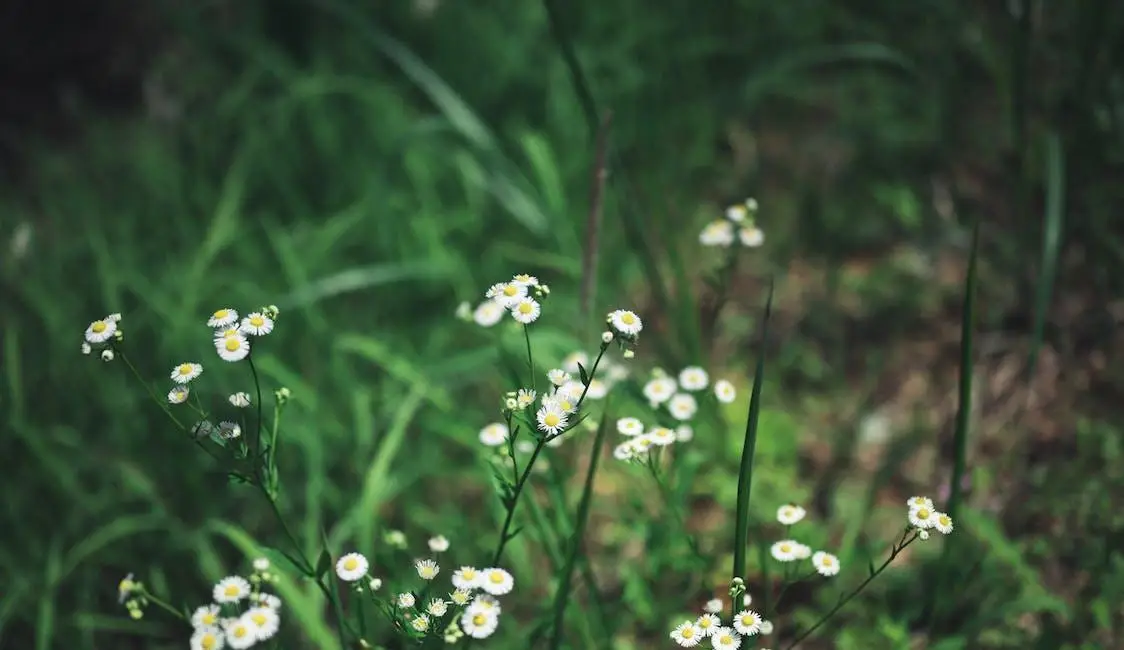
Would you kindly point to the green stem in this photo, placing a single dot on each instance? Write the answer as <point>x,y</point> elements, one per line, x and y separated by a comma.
<point>164,407</point>
<point>665,494</point>
<point>165,606</point>
<point>257,387</point>
<point>895,551</point>
<point>530,358</point>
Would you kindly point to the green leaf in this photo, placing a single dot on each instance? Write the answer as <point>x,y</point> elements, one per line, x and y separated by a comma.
<point>1051,243</point>
<point>584,375</point>
<point>283,561</point>
<point>324,562</point>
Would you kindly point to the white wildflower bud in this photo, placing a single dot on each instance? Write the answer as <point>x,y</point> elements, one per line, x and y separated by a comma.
<point>606,337</point>
<point>261,564</point>
<point>511,404</point>
<point>107,355</point>
<point>464,311</point>
<point>924,535</point>
<point>628,354</point>
<point>282,395</point>
<point>375,584</point>
<point>751,204</point>
<point>86,349</point>
<point>115,317</point>
<point>119,335</point>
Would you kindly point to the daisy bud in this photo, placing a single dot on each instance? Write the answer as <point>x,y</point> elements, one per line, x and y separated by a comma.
<point>606,337</point>
<point>107,355</point>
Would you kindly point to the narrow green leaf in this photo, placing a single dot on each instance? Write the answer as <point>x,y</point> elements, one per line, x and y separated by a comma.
<point>323,563</point>
<point>584,374</point>
<point>1051,243</point>
<point>745,472</point>
<point>964,407</point>
<point>562,596</point>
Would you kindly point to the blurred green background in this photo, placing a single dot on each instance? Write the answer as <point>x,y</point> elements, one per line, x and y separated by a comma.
<point>367,166</point>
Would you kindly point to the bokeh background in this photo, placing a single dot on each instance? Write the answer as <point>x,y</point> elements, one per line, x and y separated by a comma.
<point>367,166</point>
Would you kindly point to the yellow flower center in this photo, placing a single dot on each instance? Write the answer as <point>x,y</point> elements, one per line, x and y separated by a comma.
<point>704,623</point>
<point>826,561</point>
<point>726,639</point>
<point>98,327</point>
<point>185,369</point>
<point>350,564</point>
<point>945,520</point>
<point>209,618</point>
<point>257,321</point>
<point>209,642</point>
<point>232,344</point>
<point>221,314</point>
<point>231,590</point>
<point>258,618</point>
<point>240,632</point>
<point>628,319</point>
<point>551,420</point>
<point>687,633</point>
<point>496,577</point>
<point>479,619</point>
<point>785,548</point>
<point>525,308</point>
<point>510,290</point>
<point>923,513</point>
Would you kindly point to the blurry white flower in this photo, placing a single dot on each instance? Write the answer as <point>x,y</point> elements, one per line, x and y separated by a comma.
<point>265,621</point>
<point>208,637</point>
<point>507,294</point>
<point>661,436</point>
<point>558,376</point>
<point>497,582</point>
<point>785,550</point>
<point>659,390</point>
<point>467,578</point>
<point>351,567</point>
<point>240,400</point>
<point>714,606</point>
<point>406,600</point>
<point>751,237</point>
<point>241,633</point>
<point>438,544</point>
<point>693,378</point>
<point>630,426</point>
<point>725,391</point>
<point>826,563</point>
<point>479,624</point>
<point>597,389</point>
<point>488,313</point>
<point>205,616</point>
<point>231,589</point>
<point>717,233</point>
<point>107,355</point>
<point>682,406</point>
<point>684,432</point>
<point>790,514</point>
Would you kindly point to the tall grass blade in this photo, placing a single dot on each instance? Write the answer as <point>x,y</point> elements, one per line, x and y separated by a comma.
<point>1051,244</point>
<point>562,596</point>
<point>745,472</point>
<point>964,406</point>
<point>593,219</point>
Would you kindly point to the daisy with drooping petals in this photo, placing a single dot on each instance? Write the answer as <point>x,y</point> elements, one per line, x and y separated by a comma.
<point>693,378</point>
<point>790,514</point>
<point>526,310</point>
<point>421,623</point>
<point>826,564</point>
<point>352,567</point>
<point>437,607</point>
<point>725,638</point>
<point>185,372</point>
<point>222,319</point>
<point>488,313</point>
<point>101,331</point>
<point>257,324</point>
<point>233,348</point>
<point>748,622</point>
<point>497,582</point>
<point>686,634</point>
<point>625,323</point>
<point>231,589</point>
<point>494,435</point>
<point>178,394</point>
<point>725,391</point>
<point>558,376</point>
<point>406,600</point>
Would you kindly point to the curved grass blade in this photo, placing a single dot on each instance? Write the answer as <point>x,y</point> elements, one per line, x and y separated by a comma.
<point>1051,244</point>
<point>745,472</point>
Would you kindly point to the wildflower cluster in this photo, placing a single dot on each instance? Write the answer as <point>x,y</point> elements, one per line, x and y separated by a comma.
<point>521,297</point>
<point>709,625</point>
<point>241,614</point>
<point>790,550</point>
<point>470,608</point>
<point>739,224</point>
<point>923,516</point>
<point>102,335</point>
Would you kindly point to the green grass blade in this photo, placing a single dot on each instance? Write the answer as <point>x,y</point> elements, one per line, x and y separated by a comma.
<point>562,596</point>
<point>964,407</point>
<point>745,472</point>
<point>1051,243</point>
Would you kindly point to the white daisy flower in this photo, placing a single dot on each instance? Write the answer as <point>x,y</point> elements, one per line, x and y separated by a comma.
<point>257,324</point>
<point>525,397</point>
<point>421,623</point>
<point>497,582</point>
<point>725,391</point>
<point>624,451</point>
<point>231,589</point>
<point>233,348</point>
<point>942,523</point>
<point>488,313</point>
<point>747,600</point>
<point>427,569</point>
<point>717,233</point>
<point>525,280</point>
<point>751,236</point>
<point>659,389</point>
<point>467,578</point>
<point>802,551</point>
<point>571,390</point>
<point>748,622</point>
<point>661,436</point>
<point>437,607</point>
<point>684,433</point>
<point>405,600</point>
<point>352,567</point>
<point>222,318</point>
<point>438,543</point>
<point>526,310</point>
<point>265,621</point>
<point>208,638</point>
<point>687,634</point>
<point>920,502</point>
<point>229,430</point>
<point>790,514</point>
<point>630,426</point>
<point>178,394</point>
<point>826,564</point>
<point>101,331</point>
<point>693,378</point>
<point>625,323</point>
<point>185,372</point>
<point>240,400</point>
<point>737,212</point>
<point>682,406</point>
<point>551,419</point>
<point>707,624</point>
<point>766,627</point>
<point>725,638</point>
<point>640,445</point>
<point>460,596</point>
<point>785,550</point>
<point>713,606</point>
<point>241,633</point>
<point>479,624</point>
<point>558,376</point>
<point>923,517</point>
<point>507,294</point>
<point>494,435</point>
<point>205,616</point>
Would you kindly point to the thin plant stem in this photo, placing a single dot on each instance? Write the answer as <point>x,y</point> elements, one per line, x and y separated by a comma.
<point>164,605</point>
<point>164,407</point>
<point>894,552</point>
<point>672,507</point>
<point>530,358</point>
<point>257,387</point>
